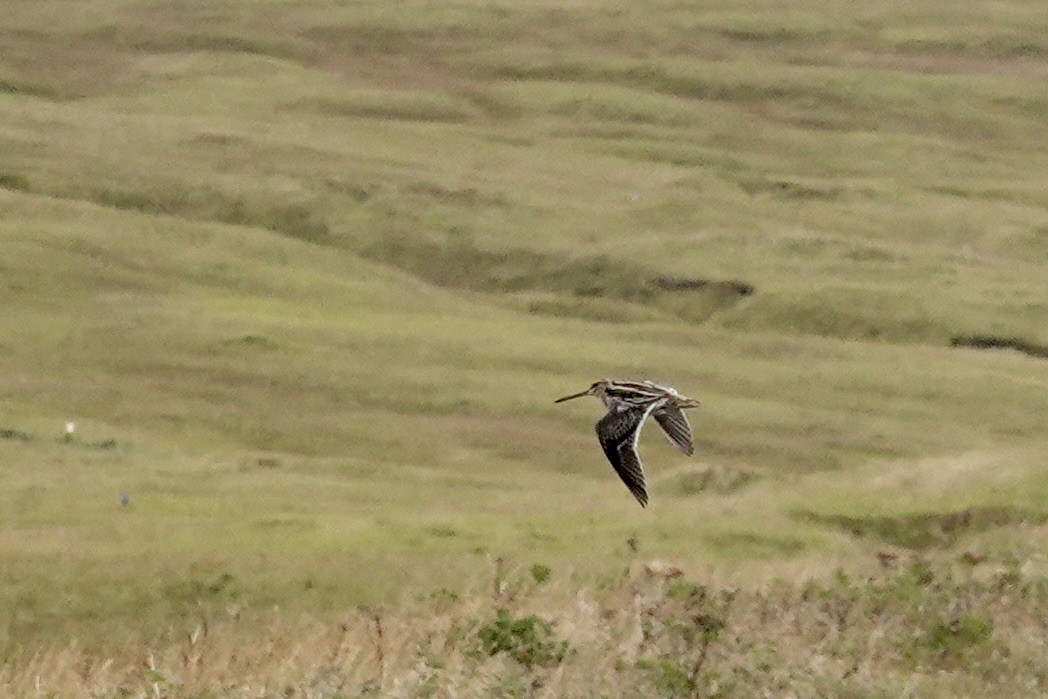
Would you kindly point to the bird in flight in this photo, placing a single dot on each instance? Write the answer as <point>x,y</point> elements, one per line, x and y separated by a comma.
<point>629,404</point>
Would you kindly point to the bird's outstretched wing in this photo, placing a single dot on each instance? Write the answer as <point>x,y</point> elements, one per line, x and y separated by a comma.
<point>675,424</point>
<point>618,432</point>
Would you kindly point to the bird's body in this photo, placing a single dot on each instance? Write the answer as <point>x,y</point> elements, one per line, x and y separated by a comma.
<point>629,404</point>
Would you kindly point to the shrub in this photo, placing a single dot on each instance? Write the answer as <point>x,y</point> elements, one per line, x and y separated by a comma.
<point>956,636</point>
<point>540,573</point>
<point>529,640</point>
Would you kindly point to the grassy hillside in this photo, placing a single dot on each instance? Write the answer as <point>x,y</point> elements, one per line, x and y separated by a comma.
<point>307,277</point>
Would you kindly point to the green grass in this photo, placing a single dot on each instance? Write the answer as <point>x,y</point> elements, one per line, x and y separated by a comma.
<point>308,276</point>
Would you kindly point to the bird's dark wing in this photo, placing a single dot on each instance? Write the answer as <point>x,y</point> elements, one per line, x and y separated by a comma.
<point>675,424</point>
<point>618,432</point>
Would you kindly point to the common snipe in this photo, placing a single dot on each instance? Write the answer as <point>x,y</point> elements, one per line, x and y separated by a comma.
<point>629,404</point>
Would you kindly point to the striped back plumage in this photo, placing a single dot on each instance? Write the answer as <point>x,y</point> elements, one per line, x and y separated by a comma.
<point>633,394</point>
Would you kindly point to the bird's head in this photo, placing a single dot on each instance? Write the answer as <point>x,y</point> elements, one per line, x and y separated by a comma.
<point>597,389</point>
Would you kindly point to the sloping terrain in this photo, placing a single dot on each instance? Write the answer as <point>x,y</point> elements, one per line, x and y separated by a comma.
<point>306,277</point>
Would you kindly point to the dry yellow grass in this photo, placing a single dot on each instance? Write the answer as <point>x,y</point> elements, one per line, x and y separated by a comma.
<point>902,628</point>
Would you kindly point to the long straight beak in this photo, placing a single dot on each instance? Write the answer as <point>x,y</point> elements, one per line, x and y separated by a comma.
<point>574,395</point>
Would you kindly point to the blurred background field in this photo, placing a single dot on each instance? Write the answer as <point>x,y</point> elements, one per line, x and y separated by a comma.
<point>307,277</point>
